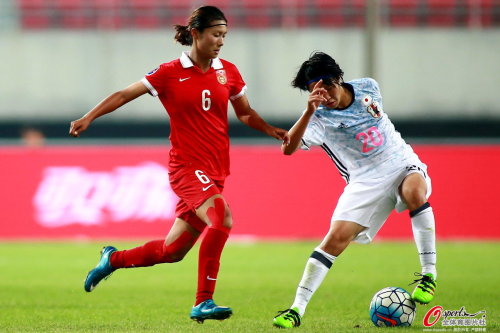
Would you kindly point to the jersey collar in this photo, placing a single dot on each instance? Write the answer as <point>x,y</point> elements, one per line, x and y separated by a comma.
<point>186,61</point>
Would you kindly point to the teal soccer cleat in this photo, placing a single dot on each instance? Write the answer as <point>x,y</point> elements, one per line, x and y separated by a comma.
<point>102,271</point>
<point>209,310</point>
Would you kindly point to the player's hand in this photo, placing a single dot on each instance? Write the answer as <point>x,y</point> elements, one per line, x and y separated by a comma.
<point>316,97</point>
<point>78,126</point>
<point>280,134</point>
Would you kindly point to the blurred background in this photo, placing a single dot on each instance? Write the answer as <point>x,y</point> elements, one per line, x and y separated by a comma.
<point>437,62</point>
<point>62,199</point>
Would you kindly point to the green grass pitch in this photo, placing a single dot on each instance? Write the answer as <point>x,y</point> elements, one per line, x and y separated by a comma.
<point>41,287</point>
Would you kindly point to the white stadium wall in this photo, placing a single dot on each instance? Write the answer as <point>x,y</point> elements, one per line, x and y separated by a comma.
<point>54,75</point>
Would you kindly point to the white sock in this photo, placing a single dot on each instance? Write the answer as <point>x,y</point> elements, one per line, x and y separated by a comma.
<point>315,272</point>
<point>424,233</point>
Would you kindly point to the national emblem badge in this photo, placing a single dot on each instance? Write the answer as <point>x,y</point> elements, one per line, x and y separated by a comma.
<point>221,76</point>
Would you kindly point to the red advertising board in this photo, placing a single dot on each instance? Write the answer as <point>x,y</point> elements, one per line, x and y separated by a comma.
<point>123,192</point>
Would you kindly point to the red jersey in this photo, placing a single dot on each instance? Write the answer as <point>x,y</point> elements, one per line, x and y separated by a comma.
<point>197,104</point>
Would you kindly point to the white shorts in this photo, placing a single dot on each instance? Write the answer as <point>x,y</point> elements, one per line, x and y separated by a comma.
<point>369,202</point>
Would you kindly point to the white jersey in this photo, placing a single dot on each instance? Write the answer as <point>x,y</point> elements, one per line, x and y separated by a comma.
<point>360,139</point>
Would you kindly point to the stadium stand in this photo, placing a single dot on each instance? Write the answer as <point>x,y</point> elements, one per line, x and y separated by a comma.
<point>255,14</point>
<point>34,14</point>
<point>73,14</point>
<point>403,13</point>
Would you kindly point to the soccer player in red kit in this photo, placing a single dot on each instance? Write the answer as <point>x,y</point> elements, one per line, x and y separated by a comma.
<point>195,90</point>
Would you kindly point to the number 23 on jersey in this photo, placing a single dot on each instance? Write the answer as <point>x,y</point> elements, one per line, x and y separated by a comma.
<point>370,138</point>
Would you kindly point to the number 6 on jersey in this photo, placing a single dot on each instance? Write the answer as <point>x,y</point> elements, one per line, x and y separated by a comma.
<point>206,102</point>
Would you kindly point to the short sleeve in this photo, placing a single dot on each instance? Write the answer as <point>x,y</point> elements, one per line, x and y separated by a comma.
<point>375,86</point>
<point>376,92</point>
<point>155,80</point>
<point>237,85</point>
<point>314,134</point>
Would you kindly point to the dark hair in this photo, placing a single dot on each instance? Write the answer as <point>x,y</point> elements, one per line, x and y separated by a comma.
<point>200,19</point>
<point>319,66</point>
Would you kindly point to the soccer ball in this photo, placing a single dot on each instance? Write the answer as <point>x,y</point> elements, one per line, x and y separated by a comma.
<point>392,306</point>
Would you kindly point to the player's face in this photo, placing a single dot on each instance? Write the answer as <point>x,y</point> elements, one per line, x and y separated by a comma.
<point>332,94</point>
<point>211,40</point>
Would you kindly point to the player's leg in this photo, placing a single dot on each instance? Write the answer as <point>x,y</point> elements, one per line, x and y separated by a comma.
<point>173,248</point>
<point>339,236</point>
<point>178,242</point>
<point>206,206</point>
<point>414,193</point>
<point>216,214</point>
<point>368,204</point>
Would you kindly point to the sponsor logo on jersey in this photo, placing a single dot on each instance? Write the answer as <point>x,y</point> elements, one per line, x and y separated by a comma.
<point>153,71</point>
<point>221,76</point>
<point>372,107</point>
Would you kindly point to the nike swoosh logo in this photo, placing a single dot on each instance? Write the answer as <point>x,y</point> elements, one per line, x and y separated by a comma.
<point>209,278</point>
<point>181,80</point>
<point>206,310</point>
<point>206,188</point>
<point>392,321</point>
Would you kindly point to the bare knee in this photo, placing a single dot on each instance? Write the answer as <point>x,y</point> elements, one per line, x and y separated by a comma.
<point>228,218</point>
<point>339,236</point>
<point>179,241</point>
<point>176,257</point>
<point>414,197</point>
<point>215,213</point>
<point>335,243</point>
<point>413,191</point>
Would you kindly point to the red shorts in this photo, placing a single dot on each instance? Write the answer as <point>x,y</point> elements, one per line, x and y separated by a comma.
<point>193,187</point>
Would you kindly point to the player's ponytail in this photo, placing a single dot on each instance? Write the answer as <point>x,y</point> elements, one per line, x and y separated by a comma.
<point>200,19</point>
<point>183,35</point>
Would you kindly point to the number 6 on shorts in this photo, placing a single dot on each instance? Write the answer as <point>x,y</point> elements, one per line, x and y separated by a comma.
<point>202,177</point>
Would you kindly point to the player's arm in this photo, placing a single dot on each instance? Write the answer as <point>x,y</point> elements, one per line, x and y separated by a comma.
<point>107,105</point>
<point>299,128</point>
<point>251,118</point>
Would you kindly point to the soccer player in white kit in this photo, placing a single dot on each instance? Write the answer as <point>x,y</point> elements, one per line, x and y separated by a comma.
<point>347,120</point>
